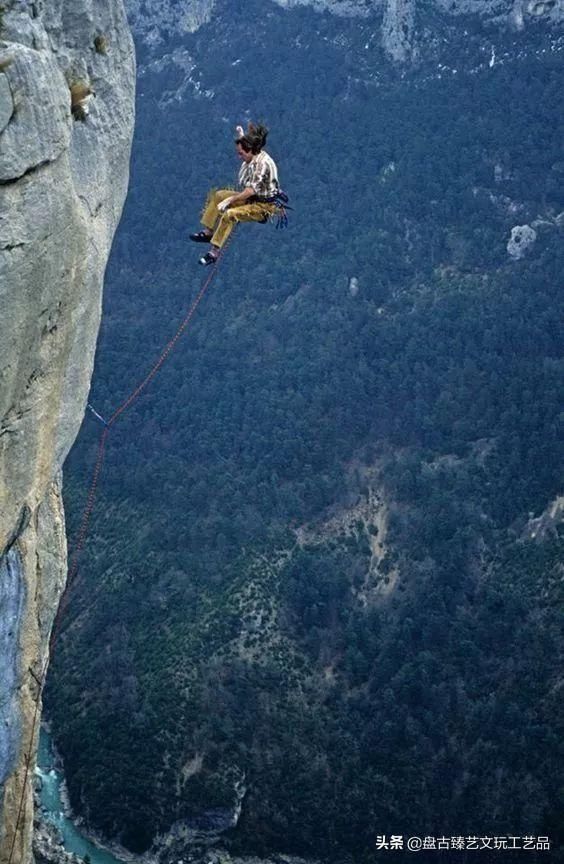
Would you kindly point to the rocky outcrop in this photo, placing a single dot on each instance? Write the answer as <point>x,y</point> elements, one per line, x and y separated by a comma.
<point>547,524</point>
<point>398,29</point>
<point>48,845</point>
<point>63,179</point>
<point>199,834</point>
<point>521,241</point>
<point>344,8</point>
<point>181,855</point>
<point>159,19</point>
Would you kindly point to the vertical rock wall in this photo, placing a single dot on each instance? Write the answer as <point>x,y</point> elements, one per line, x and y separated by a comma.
<point>63,182</point>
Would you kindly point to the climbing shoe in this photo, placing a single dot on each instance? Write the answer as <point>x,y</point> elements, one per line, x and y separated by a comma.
<point>200,237</point>
<point>207,259</point>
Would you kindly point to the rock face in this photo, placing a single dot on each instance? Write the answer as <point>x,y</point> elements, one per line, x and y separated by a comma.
<point>48,845</point>
<point>155,20</point>
<point>521,241</point>
<point>62,188</point>
<point>397,29</point>
<point>160,18</point>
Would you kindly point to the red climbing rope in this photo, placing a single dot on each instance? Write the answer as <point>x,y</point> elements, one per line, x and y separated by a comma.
<point>85,521</point>
<point>134,395</point>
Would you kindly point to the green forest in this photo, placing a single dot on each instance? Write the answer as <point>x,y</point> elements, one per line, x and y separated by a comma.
<point>208,646</point>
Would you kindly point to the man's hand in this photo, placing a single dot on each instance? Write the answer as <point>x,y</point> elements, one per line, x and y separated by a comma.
<point>223,205</point>
<point>236,200</point>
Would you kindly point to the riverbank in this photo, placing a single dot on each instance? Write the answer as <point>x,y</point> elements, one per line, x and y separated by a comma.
<point>48,843</point>
<point>59,838</point>
<point>55,829</point>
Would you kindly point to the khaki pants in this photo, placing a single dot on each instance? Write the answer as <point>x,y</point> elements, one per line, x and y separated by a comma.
<point>222,224</point>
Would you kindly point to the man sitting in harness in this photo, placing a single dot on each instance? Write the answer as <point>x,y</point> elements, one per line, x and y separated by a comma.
<point>257,202</point>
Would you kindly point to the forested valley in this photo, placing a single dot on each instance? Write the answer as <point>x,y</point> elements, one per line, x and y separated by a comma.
<point>313,572</point>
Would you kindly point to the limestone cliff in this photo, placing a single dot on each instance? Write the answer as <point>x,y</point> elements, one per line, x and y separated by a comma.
<point>66,116</point>
<point>399,22</point>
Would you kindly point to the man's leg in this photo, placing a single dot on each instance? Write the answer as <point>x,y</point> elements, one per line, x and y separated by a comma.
<point>256,212</point>
<point>210,213</point>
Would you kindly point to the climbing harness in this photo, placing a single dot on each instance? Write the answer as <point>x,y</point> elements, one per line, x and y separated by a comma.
<point>83,529</point>
<point>280,201</point>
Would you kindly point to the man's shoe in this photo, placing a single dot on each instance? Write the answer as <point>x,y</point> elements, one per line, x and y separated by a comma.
<point>201,237</point>
<point>207,259</point>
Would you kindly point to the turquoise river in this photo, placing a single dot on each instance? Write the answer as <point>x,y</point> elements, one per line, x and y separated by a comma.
<point>51,802</point>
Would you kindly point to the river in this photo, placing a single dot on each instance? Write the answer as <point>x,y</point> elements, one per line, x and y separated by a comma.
<point>51,780</point>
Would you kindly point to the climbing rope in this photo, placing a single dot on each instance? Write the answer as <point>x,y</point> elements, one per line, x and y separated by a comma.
<point>85,521</point>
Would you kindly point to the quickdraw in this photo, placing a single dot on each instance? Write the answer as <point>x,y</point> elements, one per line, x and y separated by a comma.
<point>280,201</point>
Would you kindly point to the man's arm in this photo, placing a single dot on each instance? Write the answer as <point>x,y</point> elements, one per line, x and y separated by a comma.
<point>238,198</point>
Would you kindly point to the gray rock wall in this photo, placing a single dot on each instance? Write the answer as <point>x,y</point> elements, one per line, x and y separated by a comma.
<point>155,20</point>
<point>64,161</point>
<point>12,588</point>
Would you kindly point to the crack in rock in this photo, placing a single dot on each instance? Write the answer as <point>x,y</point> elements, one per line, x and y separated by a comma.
<point>6,102</point>
<point>11,246</point>
<point>34,169</point>
<point>23,521</point>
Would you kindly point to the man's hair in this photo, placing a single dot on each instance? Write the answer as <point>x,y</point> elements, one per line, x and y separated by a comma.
<point>244,143</point>
<point>254,138</point>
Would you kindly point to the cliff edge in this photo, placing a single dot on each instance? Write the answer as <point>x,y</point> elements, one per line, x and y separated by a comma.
<point>67,81</point>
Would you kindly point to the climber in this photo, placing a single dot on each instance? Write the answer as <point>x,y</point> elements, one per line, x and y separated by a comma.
<point>259,199</point>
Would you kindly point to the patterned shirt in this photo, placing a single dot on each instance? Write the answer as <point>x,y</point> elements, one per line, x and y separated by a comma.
<point>261,175</point>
